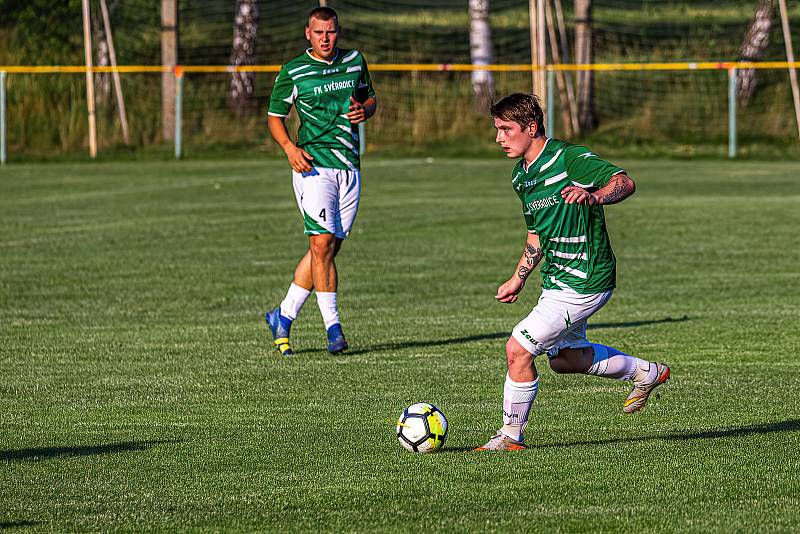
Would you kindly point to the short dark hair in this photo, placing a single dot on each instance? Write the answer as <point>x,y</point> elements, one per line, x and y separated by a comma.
<point>322,13</point>
<point>522,108</point>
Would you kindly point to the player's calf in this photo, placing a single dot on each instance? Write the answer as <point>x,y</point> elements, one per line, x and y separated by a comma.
<point>609,362</point>
<point>572,360</point>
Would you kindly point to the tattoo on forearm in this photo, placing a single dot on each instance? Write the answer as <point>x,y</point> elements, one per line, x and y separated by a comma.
<point>621,190</point>
<point>532,256</point>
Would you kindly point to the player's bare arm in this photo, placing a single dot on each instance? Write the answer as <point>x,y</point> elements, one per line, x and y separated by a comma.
<point>299,159</point>
<point>531,256</point>
<point>616,190</point>
<point>360,112</point>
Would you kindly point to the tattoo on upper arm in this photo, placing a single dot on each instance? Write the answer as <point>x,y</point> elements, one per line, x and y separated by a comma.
<point>532,256</point>
<point>621,190</point>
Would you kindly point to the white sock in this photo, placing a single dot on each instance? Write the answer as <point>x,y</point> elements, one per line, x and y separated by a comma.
<point>294,300</point>
<point>517,400</point>
<point>327,306</point>
<point>612,363</point>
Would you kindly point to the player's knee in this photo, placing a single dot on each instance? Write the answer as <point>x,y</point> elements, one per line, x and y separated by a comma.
<point>517,355</point>
<point>323,246</point>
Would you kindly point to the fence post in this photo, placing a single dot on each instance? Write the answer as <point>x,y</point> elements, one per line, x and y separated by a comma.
<point>3,117</point>
<point>550,127</point>
<point>178,111</point>
<point>732,113</point>
<point>362,138</point>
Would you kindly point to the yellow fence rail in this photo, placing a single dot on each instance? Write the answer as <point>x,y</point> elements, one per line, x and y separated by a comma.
<point>178,71</point>
<point>411,67</point>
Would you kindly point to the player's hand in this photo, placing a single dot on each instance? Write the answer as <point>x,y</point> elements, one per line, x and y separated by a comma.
<point>508,292</point>
<point>357,113</point>
<point>299,159</point>
<point>577,195</point>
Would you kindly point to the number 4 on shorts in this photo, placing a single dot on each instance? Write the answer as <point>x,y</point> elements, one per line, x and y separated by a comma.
<point>322,215</point>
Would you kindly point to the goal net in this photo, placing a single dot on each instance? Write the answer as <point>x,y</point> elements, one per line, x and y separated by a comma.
<point>674,111</point>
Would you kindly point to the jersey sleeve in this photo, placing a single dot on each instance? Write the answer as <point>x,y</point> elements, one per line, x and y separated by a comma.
<point>365,88</point>
<point>526,213</point>
<point>283,94</point>
<point>587,169</point>
<point>529,224</point>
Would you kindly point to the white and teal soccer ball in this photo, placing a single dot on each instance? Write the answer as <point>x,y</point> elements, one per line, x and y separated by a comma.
<point>422,428</point>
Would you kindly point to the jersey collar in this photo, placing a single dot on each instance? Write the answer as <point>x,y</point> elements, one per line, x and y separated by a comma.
<point>335,56</point>
<point>539,155</point>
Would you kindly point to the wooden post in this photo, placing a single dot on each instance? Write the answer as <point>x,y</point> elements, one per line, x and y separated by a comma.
<point>583,56</point>
<point>568,76</point>
<point>563,89</point>
<point>550,122</point>
<point>178,112</point>
<point>787,38</point>
<point>532,11</point>
<point>2,117</point>
<point>541,47</point>
<point>169,58</point>
<point>731,113</point>
<point>123,116</point>
<point>87,49</point>
<point>562,31</point>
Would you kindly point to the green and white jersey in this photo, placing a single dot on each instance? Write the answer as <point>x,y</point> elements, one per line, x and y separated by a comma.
<point>321,90</point>
<point>574,240</point>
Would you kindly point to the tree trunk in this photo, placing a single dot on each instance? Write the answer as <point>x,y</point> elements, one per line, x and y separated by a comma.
<point>584,56</point>
<point>102,79</point>
<point>245,29</point>
<point>756,40</point>
<point>480,44</point>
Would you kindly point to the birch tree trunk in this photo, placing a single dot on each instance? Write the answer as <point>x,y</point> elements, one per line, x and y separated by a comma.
<point>756,40</point>
<point>245,29</point>
<point>480,45</point>
<point>102,79</point>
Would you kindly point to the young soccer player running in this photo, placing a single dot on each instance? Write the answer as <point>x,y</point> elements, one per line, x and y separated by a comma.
<point>332,92</point>
<point>563,188</point>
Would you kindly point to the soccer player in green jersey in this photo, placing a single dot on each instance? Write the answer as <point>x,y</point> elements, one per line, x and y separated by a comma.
<point>563,189</point>
<point>332,92</point>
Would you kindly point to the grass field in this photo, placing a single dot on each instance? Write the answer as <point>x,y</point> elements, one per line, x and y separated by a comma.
<point>140,391</point>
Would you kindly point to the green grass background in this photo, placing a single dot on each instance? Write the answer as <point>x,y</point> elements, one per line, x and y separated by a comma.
<point>140,391</point>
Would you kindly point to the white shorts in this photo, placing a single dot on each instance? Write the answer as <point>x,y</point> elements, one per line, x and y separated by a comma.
<point>558,321</point>
<point>328,199</point>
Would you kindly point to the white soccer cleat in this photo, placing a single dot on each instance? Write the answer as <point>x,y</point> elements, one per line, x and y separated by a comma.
<point>501,442</point>
<point>641,391</point>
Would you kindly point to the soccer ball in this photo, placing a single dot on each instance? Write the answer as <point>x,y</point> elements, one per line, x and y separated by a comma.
<point>422,427</point>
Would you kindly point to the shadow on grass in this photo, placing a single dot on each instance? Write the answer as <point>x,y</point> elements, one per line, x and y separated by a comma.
<point>633,324</point>
<point>19,524</point>
<point>497,335</point>
<point>45,453</point>
<point>792,425</point>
